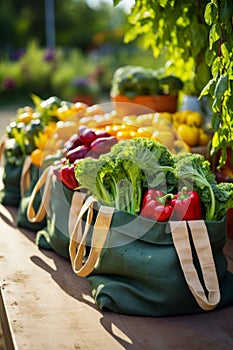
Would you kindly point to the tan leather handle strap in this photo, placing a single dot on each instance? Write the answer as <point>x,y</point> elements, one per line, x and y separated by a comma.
<point>100,232</point>
<point>44,180</point>
<point>101,229</point>
<point>204,252</point>
<point>202,246</point>
<point>25,176</point>
<point>77,233</point>
<point>75,208</point>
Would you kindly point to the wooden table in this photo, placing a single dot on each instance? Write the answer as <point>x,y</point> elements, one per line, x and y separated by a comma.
<point>44,305</point>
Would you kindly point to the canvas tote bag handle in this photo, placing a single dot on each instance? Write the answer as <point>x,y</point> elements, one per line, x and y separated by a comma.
<point>3,141</point>
<point>77,236</point>
<point>25,176</point>
<point>100,232</point>
<point>202,246</point>
<point>44,180</point>
<point>75,208</point>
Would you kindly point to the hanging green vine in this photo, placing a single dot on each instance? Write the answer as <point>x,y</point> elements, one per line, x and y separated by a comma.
<point>201,30</point>
<point>219,16</point>
<point>177,29</point>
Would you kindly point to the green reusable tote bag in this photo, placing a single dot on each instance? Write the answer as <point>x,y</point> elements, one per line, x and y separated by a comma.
<point>10,192</point>
<point>60,206</point>
<point>140,267</point>
<point>29,178</point>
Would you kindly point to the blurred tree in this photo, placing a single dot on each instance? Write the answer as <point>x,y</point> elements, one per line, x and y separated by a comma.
<point>7,28</point>
<point>76,23</point>
<point>21,21</point>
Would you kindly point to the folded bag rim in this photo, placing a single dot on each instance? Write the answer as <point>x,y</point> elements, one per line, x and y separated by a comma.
<point>159,232</point>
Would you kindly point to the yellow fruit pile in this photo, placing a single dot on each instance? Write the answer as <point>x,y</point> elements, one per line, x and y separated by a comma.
<point>189,126</point>
<point>179,131</point>
<point>152,125</point>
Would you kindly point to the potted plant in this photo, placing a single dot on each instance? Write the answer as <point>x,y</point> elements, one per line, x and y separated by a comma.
<point>178,31</point>
<point>136,85</point>
<point>200,31</point>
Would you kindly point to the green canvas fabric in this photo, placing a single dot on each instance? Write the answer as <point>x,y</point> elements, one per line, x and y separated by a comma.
<point>22,220</point>
<point>138,272</point>
<point>10,193</point>
<point>55,235</point>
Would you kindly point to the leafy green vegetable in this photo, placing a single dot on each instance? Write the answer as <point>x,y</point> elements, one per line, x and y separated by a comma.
<point>132,81</point>
<point>19,136</point>
<point>109,181</point>
<point>193,171</point>
<point>117,178</point>
<point>13,152</point>
<point>47,108</point>
<point>224,199</point>
<point>154,159</point>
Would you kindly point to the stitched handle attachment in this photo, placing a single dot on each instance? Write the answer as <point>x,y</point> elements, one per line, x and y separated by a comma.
<point>180,235</point>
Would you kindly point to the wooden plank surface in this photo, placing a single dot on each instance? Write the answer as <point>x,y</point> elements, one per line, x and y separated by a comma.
<point>44,305</point>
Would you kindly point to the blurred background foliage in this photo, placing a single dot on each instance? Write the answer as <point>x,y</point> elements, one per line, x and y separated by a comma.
<point>89,48</point>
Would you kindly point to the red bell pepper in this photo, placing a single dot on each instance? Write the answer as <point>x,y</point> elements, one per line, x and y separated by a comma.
<point>186,205</point>
<point>156,206</point>
<point>68,177</point>
<point>57,165</point>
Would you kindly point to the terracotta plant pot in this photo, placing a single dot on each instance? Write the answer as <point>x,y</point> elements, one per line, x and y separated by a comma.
<point>125,106</point>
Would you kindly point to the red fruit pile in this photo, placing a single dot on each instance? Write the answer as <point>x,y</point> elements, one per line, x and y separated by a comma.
<point>85,143</point>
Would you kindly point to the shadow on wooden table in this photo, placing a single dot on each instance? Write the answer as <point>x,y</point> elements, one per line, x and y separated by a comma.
<point>214,329</point>
<point>75,286</point>
<point>137,333</point>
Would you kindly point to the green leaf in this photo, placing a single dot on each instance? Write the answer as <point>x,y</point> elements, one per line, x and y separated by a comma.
<point>36,100</point>
<point>208,88</point>
<point>210,13</point>
<point>225,52</point>
<point>209,57</point>
<point>221,86</point>
<point>216,119</point>
<point>216,66</point>
<point>215,34</point>
<point>216,106</point>
<point>116,2</point>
